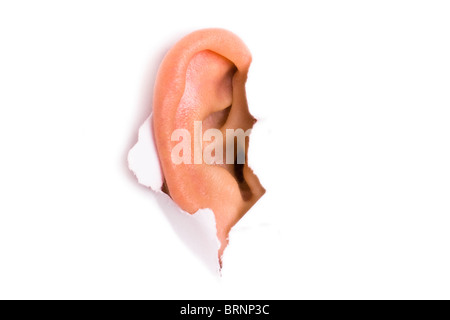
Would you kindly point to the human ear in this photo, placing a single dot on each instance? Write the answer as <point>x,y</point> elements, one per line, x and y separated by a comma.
<point>199,104</point>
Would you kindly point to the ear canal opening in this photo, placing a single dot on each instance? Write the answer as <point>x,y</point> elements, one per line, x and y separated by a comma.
<point>238,174</point>
<point>246,192</point>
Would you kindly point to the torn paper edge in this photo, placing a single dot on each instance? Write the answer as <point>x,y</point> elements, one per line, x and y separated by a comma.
<point>198,231</point>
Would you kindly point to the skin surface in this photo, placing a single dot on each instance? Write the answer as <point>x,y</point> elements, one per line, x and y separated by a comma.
<point>202,78</point>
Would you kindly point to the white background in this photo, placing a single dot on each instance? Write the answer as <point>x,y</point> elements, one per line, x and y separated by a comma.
<point>352,146</point>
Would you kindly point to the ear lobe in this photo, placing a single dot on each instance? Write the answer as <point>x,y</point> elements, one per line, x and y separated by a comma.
<point>200,95</point>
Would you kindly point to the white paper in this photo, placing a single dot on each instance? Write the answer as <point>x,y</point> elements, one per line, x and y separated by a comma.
<point>197,231</point>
